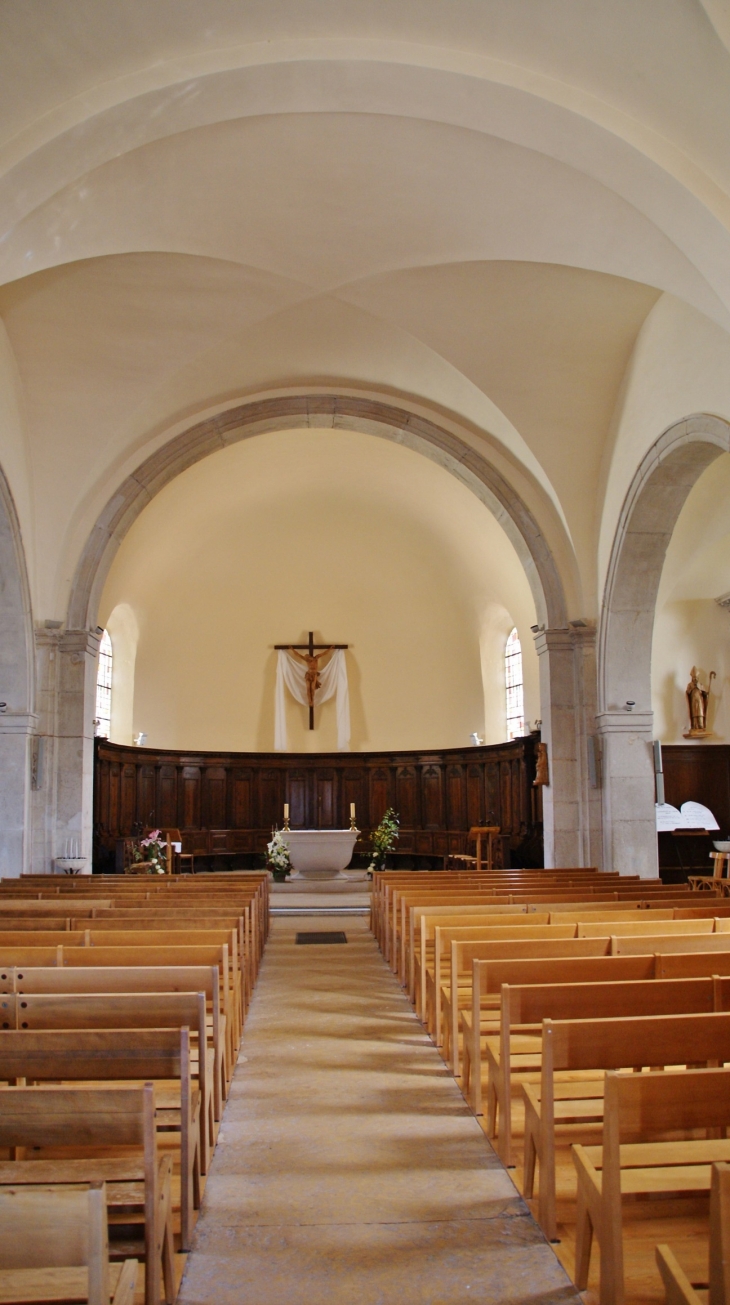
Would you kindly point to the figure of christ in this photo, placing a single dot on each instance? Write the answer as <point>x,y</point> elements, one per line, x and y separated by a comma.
<point>312,672</point>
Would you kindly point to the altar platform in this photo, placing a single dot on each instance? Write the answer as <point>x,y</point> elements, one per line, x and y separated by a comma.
<point>347,895</point>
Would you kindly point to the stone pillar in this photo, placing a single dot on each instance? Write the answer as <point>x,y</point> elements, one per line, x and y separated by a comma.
<point>16,730</point>
<point>629,823</point>
<point>62,807</point>
<point>571,807</point>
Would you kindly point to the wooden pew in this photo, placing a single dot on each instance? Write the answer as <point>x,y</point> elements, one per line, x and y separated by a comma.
<point>516,948</point>
<point>133,956</point>
<point>139,1010</point>
<point>73,1121</point>
<point>161,1055</point>
<point>678,1288</point>
<point>54,1245</point>
<point>523,1009</point>
<point>137,979</point>
<point>573,1046</point>
<point>631,1161</point>
<point>487,980</point>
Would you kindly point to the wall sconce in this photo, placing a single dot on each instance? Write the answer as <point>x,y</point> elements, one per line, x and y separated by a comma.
<point>140,739</point>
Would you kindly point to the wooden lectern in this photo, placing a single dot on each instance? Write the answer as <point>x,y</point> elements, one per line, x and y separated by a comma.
<point>476,834</point>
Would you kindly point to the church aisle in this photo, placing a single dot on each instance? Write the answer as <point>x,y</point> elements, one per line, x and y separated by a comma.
<point>348,1169</point>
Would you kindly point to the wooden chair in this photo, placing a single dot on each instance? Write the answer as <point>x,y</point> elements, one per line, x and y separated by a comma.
<point>54,1245</point>
<point>638,1107</point>
<point>161,1055</point>
<point>598,1045</point>
<point>60,1124</point>
<point>678,1288</point>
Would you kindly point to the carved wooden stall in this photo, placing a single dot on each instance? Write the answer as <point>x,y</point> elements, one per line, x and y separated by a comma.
<point>694,772</point>
<point>225,803</point>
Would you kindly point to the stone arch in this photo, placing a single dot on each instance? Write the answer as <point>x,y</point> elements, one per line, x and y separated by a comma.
<point>566,817</point>
<point>17,690</point>
<point>652,505</point>
<point>344,412</point>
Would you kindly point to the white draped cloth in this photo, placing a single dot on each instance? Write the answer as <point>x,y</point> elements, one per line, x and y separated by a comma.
<point>290,674</point>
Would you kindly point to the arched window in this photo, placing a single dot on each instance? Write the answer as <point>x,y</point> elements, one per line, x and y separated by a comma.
<point>103,720</point>
<point>513,687</point>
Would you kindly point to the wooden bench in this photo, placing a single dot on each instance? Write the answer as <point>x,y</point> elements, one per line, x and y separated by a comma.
<point>576,1046</point>
<point>489,976</point>
<point>54,1247</point>
<point>679,1290</point>
<point>630,1163</point>
<point>62,1125</point>
<point>515,1051</point>
<point>140,1010</point>
<point>160,1055</point>
<point>137,979</point>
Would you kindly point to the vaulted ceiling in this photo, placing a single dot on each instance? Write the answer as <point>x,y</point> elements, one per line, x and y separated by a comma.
<point>472,207</point>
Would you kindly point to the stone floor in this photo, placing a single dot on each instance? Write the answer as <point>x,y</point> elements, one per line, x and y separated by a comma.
<point>348,1169</point>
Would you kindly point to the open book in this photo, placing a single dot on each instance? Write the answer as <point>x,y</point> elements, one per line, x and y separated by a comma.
<point>692,816</point>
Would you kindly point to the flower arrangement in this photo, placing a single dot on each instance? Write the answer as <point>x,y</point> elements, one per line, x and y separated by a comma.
<point>277,858</point>
<point>153,848</point>
<point>383,839</point>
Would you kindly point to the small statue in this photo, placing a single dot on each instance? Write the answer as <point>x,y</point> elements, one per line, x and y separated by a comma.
<point>311,676</point>
<point>697,699</point>
<point>542,772</point>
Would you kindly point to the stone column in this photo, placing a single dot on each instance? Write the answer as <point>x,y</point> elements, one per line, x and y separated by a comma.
<point>62,807</point>
<point>629,823</point>
<point>571,808</point>
<point>16,731</point>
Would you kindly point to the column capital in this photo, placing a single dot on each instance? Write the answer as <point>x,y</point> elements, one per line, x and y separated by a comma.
<point>77,643</point>
<point>564,639</point>
<point>626,722</point>
<point>18,722</point>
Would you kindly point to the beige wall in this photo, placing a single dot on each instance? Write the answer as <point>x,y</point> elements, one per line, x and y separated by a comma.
<point>363,541</point>
<point>691,629</point>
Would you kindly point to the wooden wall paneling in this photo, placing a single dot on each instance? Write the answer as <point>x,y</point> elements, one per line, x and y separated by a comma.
<point>101,799</point>
<point>128,813</point>
<point>406,796</point>
<point>379,794</point>
<point>325,807</point>
<point>475,795</point>
<point>699,772</point>
<point>112,816</point>
<point>241,804</point>
<point>213,810</point>
<point>146,795</point>
<point>191,797</point>
<point>296,796</point>
<point>455,797</point>
<point>238,797</point>
<point>492,793</point>
<point>271,801</point>
<point>355,789</point>
<point>432,790</point>
<point>166,805</point>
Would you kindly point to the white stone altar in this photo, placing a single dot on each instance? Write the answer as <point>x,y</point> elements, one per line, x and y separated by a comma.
<point>319,853</point>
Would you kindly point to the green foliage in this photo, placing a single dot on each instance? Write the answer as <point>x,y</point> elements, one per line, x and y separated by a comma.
<point>383,839</point>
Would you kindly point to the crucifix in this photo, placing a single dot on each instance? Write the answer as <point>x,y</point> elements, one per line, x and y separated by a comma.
<point>311,661</point>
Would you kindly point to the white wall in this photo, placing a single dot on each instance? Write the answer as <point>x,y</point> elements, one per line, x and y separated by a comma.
<point>362,540</point>
<point>690,628</point>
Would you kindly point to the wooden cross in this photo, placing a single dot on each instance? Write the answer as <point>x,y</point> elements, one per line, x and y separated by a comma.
<point>310,649</point>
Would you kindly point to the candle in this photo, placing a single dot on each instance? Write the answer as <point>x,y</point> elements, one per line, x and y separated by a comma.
<point>286,810</point>
<point>352,810</point>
